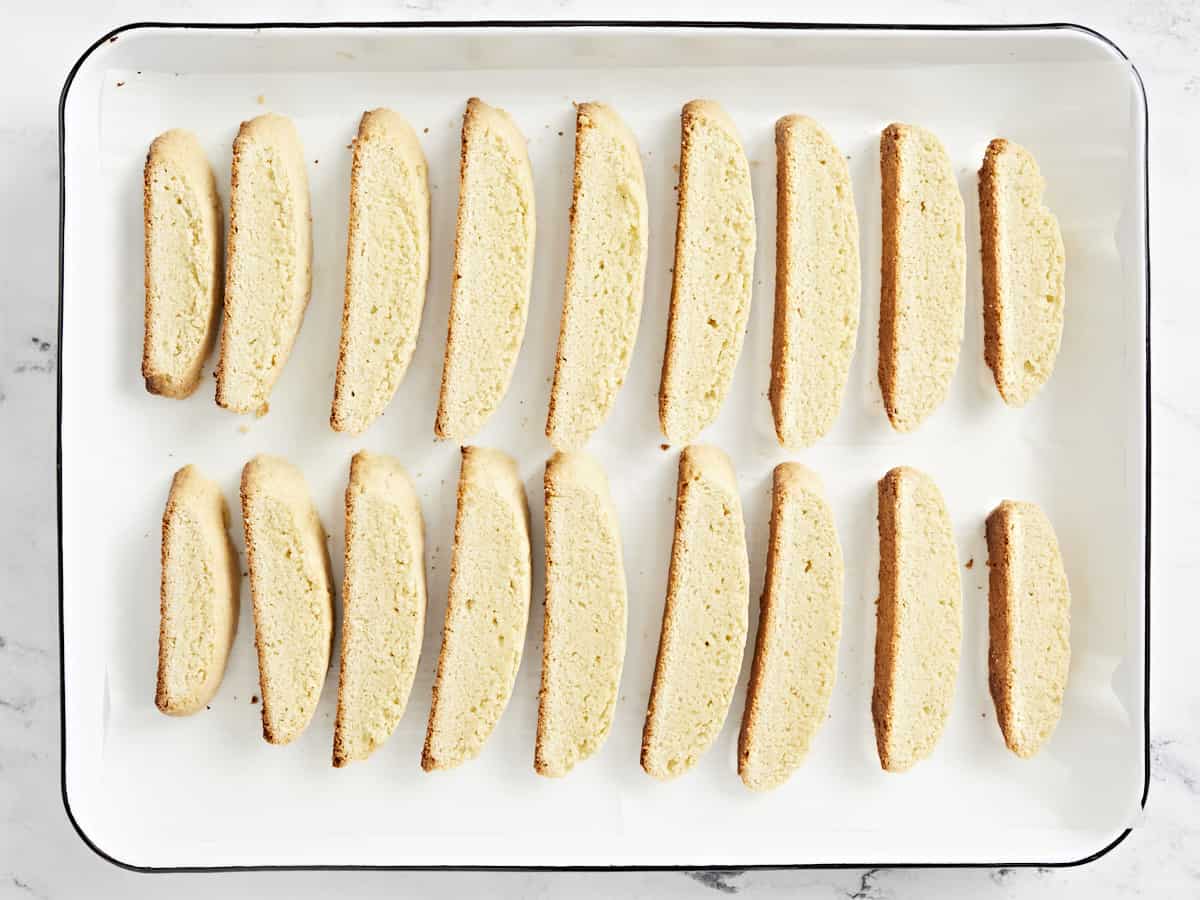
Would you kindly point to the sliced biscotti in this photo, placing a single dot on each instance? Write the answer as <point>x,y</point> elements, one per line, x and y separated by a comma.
<point>383,604</point>
<point>487,609</point>
<point>1024,265</point>
<point>583,645</point>
<point>1029,620</point>
<point>183,263</point>
<point>387,268</point>
<point>799,626</point>
<point>268,266</point>
<point>817,282</point>
<point>923,290</point>
<point>704,620</point>
<point>493,270</point>
<point>292,587</point>
<point>606,269</point>
<point>918,626</point>
<point>199,594</point>
<point>714,272</point>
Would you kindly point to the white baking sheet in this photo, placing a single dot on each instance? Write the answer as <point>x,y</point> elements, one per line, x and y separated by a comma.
<point>207,791</point>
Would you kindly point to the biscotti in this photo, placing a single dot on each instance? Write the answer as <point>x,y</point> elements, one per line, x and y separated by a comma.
<point>201,582</point>
<point>487,609</point>
<point>383,605</point>
<point>1024,262</point>
<point>705,618</point>
<point>387,268</point>
<point>799,626</point>
<point>714,272</point>
<point>817,282</point>
<point>268,268</point>
<point>918,626</point>
<point>292,587</point>
<point>606,269</point>
<point>923,288</point>
<point>183,263</point>
<point>583,646</point>
<point>1029,620</point>
<point>493,270</point>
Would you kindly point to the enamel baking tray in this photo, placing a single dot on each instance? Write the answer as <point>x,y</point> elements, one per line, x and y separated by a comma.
<point>206,792</point>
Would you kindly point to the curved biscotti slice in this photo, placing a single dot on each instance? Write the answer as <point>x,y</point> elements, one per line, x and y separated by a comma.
<point>1024,264</point>
<point>918,626</point>
<point>199,595</point>
<point>799,626</point>
<point>493,270</point>
<point>387,268</point>
<point>383,604</point>
<point>487,609</point>
<point>923,290</point>
<point>606,270</point>
<point>268,266</point>
<point>583,645</point>
<point>714,272</point>
<point>1029,618</point>
<point>183,263</point>
<point>817,282</point>
<point>704,620</point>
<point>292,587</point>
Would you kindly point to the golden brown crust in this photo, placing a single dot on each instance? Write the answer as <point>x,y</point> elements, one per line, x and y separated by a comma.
<point>664,639</point>
<point>783,231</point>
<point>766,607</point>
<point>234,178</point>
<point>687,123</point>
<point>989,233</point>
<point>341,755</point>
<point>264,684</point>
<point>540,764</point>
<point>428,760</point>
<point>885,616</point>
<point>583,121</point>
<point>889,168</point>
<point>335,418</point>
<point>439,424</point>
<point>161,698</point>
<point>1000,631</point>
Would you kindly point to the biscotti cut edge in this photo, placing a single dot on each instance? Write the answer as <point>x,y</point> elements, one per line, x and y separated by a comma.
<point>396,593</point>
<point>793,675</point>
<point>683,409</point>
<point>453,421</point>
<point>707,506</point>
<point>583,547</point>
<point>252,392</point>
<point>180,150</point>
<point>196,502</point>
<point>1029,619</point>
<point>283,483</point>
<point>1018,373</point>
<point>371,366</point>
<point>909,404</point>
<point>889,639</point>
<point>574,415</point>
<point>817,287</point>
<point>495,472</point>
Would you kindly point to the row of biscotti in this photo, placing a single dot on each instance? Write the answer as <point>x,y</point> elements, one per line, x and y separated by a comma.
<point>704,626</point>
<point>922,303</point>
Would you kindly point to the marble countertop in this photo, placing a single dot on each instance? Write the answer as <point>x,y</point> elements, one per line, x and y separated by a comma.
<point>40,854</point>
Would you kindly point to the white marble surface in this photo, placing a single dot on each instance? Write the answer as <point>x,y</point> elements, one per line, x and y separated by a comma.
<point>40,855</point>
